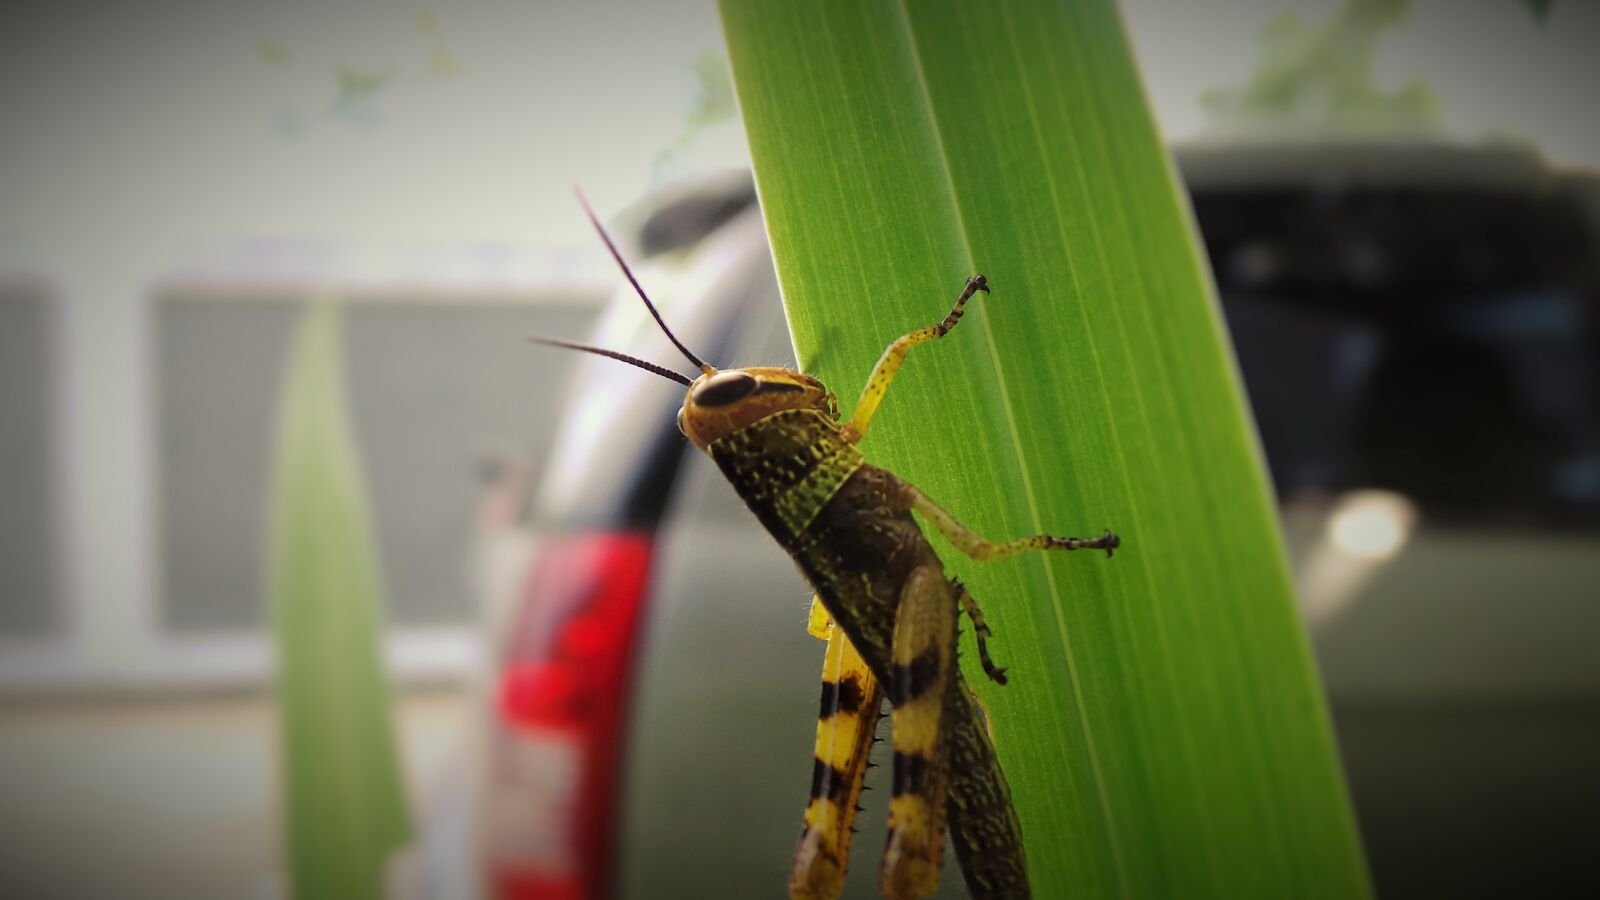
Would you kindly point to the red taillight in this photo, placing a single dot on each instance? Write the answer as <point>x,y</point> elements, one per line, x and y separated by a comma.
<point>563,693</point>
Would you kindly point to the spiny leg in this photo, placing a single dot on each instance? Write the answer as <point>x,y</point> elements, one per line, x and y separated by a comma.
<point>977,546</point>
<point>980,630</point>
<point>924,681</point>
<point>851,697</point>
<point>894,356</point>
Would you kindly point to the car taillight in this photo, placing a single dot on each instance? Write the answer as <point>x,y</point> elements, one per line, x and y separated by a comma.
<point>563,692</point>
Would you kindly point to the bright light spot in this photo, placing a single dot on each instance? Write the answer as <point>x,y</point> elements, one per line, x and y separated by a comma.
<point>1372,524</point>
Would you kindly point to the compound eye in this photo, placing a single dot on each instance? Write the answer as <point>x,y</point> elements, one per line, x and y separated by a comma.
<point>681,430</point>
<point>724,388</point>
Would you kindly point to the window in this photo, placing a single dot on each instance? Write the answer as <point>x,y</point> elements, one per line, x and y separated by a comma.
<point>437,387</point>
<point>29,575</point>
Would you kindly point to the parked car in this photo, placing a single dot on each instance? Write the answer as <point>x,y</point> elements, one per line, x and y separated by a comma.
<point>567,627</point>
<point>1417,328</point>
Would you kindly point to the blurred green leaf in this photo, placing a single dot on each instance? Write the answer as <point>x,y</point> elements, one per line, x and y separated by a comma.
<point>344,808</point>
<point>1539,8</point>
<point>1164,732</point>
<point>1319,79</point>
<point>712,103</point>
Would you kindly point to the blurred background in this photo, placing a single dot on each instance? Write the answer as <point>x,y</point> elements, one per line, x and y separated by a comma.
<point>1400,203</point>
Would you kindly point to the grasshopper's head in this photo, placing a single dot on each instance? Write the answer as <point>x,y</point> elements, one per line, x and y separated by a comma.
<point>721,402</point>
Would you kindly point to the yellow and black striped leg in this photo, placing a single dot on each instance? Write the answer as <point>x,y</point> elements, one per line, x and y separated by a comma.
<point>851,697</point>
<point>895,355</point>
<point>980,630</point>
<point>924,681</point>
<point>977,546</point>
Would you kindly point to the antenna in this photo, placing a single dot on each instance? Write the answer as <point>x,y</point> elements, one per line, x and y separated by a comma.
<point>699,363</point>
<point>611,354</point>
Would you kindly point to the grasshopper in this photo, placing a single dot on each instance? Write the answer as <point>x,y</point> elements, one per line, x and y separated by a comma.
<point>882,603</point>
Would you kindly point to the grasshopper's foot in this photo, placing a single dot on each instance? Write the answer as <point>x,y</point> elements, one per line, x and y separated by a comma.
<point>974,284</point>
<point>981,631</point>
<point>1109,541</point>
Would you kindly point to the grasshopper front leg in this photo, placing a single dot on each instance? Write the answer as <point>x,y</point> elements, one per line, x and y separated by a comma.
<point>851,698</point>
<point>895,355</point>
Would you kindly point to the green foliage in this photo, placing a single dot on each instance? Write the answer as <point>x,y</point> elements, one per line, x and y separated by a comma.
<point>1164,731</point>
<point>1319,79</point>
<point>343,804</point>
<point>1539,8</point>
<point>713,102</point>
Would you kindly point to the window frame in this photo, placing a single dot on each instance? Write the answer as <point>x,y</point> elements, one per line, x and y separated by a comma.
<point>108,643</point>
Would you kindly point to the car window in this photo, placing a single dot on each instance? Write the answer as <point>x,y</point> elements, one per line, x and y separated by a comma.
<point>1416,340</point>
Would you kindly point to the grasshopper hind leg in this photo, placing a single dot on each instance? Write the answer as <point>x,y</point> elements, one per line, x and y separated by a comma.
<point>851,698</point>
<point>923,688</point>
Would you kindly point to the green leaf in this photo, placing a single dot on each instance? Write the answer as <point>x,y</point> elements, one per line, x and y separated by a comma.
<point>343,802</point>
<point>1164,732</point>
